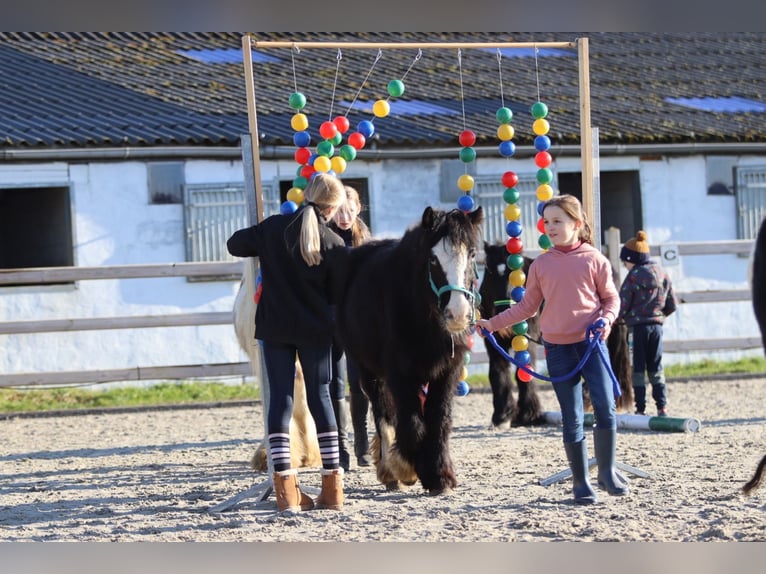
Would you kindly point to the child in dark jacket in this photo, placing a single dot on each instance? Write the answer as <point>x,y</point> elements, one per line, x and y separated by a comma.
<point>646,298</point>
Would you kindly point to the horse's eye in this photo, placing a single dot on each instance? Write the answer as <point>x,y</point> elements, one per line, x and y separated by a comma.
<point>472,253</point>
<point>433,259</point>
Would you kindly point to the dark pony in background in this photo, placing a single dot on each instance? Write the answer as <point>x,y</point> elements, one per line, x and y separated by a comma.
<point>405,315</point>
<point>526,410</point>
<point>758,293</point>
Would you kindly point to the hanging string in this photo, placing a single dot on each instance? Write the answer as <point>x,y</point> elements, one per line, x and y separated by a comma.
<point>335,82</point>
<point>351,105</point>
<point>537,73</point>
<point>417,57</point>
<point>462,99</point>
<point>295,50</point>
<point>500,75</point>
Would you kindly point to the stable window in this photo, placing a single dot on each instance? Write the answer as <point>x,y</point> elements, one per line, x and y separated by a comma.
<point>165,181</point>
<point>36,227</point>
<point>751,200</point>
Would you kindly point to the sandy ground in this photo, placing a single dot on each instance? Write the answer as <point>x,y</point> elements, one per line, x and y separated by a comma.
<point>155,475</point>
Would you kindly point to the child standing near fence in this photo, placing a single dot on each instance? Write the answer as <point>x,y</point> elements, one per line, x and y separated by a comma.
<point>646,299</point>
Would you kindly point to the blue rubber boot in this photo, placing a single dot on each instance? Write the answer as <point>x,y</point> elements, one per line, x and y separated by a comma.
<point>577,455</point>
<point>604,442</point>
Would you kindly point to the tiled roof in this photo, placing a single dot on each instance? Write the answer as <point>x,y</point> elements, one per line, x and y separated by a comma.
<point>73,90</point>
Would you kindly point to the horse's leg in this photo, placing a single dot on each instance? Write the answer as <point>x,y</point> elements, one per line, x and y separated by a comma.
<point>304,444</point>
<point>500,379</point>
<point>434,465</point>
<point>529,411</point>
<point>385,436</point>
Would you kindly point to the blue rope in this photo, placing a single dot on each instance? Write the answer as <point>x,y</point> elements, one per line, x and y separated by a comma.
<point>592,337</point>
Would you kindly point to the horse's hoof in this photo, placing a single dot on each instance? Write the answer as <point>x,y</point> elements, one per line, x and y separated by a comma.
<point>393,486</point>
<point>446,491</point>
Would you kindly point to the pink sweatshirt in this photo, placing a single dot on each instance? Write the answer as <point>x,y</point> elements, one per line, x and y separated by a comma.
<point>577,287</point>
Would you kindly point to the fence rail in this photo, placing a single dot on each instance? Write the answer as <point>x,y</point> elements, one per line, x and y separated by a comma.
<point>233,268</point>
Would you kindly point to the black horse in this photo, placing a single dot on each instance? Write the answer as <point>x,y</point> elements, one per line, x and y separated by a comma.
<point>404,313</point>
<point>527,410</point>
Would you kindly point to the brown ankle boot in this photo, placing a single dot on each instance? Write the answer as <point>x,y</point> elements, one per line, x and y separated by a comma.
<point>331,496</point>
<point>289,495</point>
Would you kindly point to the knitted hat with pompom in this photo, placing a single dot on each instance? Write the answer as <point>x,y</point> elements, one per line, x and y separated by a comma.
<point>636,249</point>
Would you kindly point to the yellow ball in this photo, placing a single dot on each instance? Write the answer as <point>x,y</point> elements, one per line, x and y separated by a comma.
<point>299,122</point>
<point>322,163</point>
<point>512,212</point>
<point>505,132</point>
<point>381,108</point>
<point>520,343</point>
<point>541,127</point>
<point>295,194</point>
<point>465,182</point>
<point>517,278</point>
<point>464,373</point>
<point>338,164</point>
<point>544,192</point>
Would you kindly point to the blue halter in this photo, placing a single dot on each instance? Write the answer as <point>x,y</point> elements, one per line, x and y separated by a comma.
<point>473,295</point>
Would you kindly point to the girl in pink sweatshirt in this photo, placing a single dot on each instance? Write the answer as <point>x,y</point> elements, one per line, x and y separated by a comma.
<point>575,281</point>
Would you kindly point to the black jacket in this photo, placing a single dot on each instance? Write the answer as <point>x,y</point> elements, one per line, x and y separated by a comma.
<point>295,305</point>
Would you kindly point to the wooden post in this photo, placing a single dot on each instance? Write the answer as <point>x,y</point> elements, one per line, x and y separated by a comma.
<point>586,141</point>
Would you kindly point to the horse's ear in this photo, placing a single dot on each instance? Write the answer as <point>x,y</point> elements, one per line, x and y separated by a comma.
<point>428,218</point>
<point>476,217</point>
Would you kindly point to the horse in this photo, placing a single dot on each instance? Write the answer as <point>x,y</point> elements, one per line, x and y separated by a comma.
<point>304,445</point>
<point>405,313</point>
<point>494,291</point>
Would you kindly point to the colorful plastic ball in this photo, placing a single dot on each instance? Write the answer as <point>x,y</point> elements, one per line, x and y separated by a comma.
<point>325,148</point>
<point>523,376</point>
<point>510,179</point>
<point>467,358</point>
<point>295,195</point>
<point>543,159</point>
<point>544,242</point>
<point>517,293</point>
<point>514,246</point>
<point>366,128</point>
<point>503,115</point>
<point>513,228</point>
<point>523,357</point>
<point>297,101</point>
<point>467,138</point>
<point>465,203</point>
<point>512,212</point>
<point>467,154</point>
<point>544,175</point>
<point>348,152</point>
<point>469,340</point>
<point>395,88</point>
<point>539,110</point>
<point>544,192</point>
<point>302,155</point>
<point>299,122</point>
<point>511,195</point>
<point>541,225</point>
<point>515,261</point>
<point>288,207</point>
<point>342,123</point>
<point>465,182</point>
<point>505,132</point>
<point>507,149</point>
<point>520,328</point>
<point>307,170</point>
<point>322,163</point>
<point>542,143</point>
<point>302,139</point>
<point>520,343</point>
<point>357,140</point>
<point>463,373</point>
<point>462,389</point>
<point>381,108</point>
<point>338,164</point>
<point>541,127</point>
<point>540,206</point>
<point>300,182</point>
<point>328,130</point>
<point>336,139</point>
<point>517,278</point>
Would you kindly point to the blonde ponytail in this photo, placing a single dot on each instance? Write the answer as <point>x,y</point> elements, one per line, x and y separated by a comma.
<point>323,191</point>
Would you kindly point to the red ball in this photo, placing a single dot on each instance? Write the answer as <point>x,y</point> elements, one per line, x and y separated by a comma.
<point>342,123</point>
<point>356,140</point>
<point>514,246</point>
<point>302,155</point>
<point>307,171</point>
<point>467,138</point>
<point>541,225</point>
<point>328,130</point>
<point>469,342</point>
<point>543,159</point>
<point>510,179</point>
<point>524,376</point>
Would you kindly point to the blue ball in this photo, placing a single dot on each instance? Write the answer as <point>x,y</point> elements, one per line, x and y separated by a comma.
<point>302,139</point>
<point>542,143</point>
<point>513,228</point>
<point>462,389</point>
<point>540,205</point>
<point>517,293</point>
<point>366,128</point>
<point>523,357</point>
<point>465,203</point>
<point>507,148</point>
<point>288,207</point>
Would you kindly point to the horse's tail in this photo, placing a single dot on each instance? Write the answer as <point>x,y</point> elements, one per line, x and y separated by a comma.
<point>753,483</point>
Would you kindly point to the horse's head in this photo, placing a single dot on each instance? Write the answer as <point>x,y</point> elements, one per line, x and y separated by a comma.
<point>453,237</point>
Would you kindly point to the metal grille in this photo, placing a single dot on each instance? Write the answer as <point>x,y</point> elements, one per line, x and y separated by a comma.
<point>751,200</point>
<point>489,194</point>
<point>213,212</point>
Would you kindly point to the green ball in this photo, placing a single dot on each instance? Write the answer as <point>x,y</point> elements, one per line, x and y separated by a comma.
<point>300,182</point>
<point>297,101</point>
<point>544,242</point>
<point>467,154</point>
<point>348,152</point>
<point>395,88</point>
<point>325,148</point>
<point>336,139</point>
<point>544,175</point>
<point>511,195</point>
<point>504,115</point>
<point>539,110</point>
<point>515,261</point>
<point>520,328</point>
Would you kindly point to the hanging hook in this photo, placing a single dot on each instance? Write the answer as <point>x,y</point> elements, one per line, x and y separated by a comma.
<point>340,55</point>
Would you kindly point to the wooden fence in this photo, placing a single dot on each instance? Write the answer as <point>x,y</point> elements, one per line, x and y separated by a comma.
<point>66,274</point>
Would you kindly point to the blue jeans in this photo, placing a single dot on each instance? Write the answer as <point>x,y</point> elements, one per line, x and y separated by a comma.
<point>562,360</point>
<point>647,348</point>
